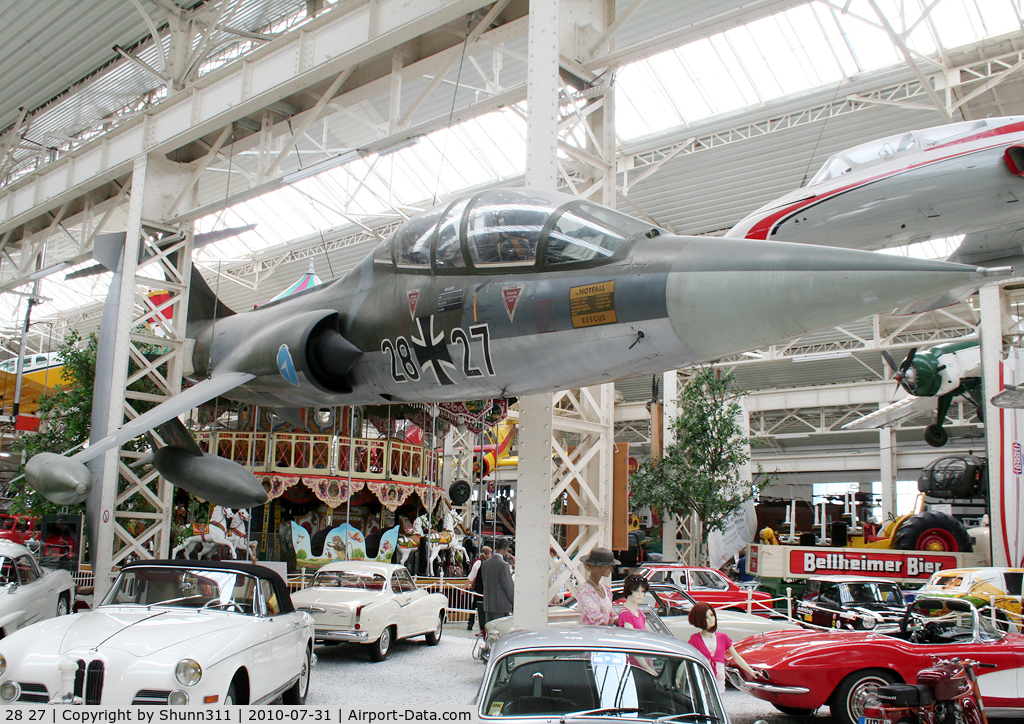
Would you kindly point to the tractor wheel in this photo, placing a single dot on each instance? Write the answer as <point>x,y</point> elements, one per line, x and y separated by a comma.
<point>933,531</point>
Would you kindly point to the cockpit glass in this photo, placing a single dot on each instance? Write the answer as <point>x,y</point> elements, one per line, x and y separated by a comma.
<point>577,236</point>
<point>944,134</point>
<point>505,226</point>
<point>449,243</point>
<point>413,238</point>
<point>866,154</point>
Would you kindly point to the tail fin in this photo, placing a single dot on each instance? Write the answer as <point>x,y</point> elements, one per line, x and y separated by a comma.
<point>202,302</point>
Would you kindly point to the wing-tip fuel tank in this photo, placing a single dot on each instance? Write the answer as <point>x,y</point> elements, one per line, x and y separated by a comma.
<point>517,291</point>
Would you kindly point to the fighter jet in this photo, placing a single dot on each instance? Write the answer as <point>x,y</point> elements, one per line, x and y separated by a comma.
<point>506,293</point>
<point>961,178</point>
<point>933,377</point>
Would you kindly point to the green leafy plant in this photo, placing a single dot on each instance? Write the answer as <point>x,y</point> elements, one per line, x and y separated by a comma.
<point>699,472</point>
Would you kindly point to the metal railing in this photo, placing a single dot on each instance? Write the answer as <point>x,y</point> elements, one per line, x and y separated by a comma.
<point>310,454</point>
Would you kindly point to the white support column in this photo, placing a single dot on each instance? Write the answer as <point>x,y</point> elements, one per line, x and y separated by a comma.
<point>994,312</point>
<point>533,493</point>
<point>533,512</point>
<point>887,470</point>
<point>114,408</point>
<point>672,527</point>
<point>135,507</point>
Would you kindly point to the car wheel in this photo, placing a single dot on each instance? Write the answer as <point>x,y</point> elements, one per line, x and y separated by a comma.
<point>793,710</point>
<point>434,636</point>
<point>62,606</point>
<point>380,648</point>
<point>296,695</point>
<point>847,703</point>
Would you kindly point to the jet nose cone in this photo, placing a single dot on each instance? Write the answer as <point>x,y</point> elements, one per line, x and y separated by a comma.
<point>730,295</point>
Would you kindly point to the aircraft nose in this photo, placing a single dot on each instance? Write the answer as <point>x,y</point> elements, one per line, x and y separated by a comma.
<point>722,294</point>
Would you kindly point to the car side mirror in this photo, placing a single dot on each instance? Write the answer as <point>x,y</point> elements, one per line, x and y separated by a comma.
<point>12,586</point>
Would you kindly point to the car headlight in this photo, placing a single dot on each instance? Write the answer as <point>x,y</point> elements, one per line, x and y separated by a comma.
<point>178,698</point>
<point>3,664</point>
<point>10,691</point>
<point>868,622</point>
<point>188,672</point>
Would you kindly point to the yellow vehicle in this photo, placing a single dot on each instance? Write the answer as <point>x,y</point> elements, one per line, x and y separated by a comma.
<point>922,530</point>
<point>41,373</point>
<point>997,587</point>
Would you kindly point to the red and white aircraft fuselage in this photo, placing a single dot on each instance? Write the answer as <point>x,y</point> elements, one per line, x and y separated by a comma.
<point>961,178</point>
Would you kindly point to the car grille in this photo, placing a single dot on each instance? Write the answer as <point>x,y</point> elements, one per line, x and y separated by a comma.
<point>34,693</point>
<point>89,681</point>
<point>151,697</point>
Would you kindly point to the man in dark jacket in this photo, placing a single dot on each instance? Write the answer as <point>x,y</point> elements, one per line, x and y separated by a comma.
<point>499,590</point>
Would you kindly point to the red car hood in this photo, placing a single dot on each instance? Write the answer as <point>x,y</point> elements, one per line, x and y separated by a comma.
<point>776,647</point>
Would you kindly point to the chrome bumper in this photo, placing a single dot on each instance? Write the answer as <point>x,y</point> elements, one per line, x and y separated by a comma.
<point>751,687</point>
<point>328,634</point>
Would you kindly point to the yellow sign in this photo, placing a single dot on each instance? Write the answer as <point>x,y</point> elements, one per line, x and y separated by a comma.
<point>593,304</point>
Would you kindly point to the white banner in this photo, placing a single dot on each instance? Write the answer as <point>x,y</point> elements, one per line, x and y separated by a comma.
<point>1007,515</point>
<point>739,531</point>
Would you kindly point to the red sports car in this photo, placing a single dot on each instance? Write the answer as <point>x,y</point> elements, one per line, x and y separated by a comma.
<point>839,669</point>
<point>707,584</point>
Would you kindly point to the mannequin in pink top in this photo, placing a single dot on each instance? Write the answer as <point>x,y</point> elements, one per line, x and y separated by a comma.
<point>714,644</point>
<point>634,588</point>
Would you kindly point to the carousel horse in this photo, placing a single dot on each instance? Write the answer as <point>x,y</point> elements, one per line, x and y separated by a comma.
<point>238,535</point>
<point>444,540</point>
<point>408,540</point>
<point>214,534</point>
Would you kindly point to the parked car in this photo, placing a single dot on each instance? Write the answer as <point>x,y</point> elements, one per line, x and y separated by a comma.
<point>168,632</point>
<point>810,669</point>
<point>604,672</point>
<point>851,602</point>
<point>370,603</point>
<point>982,587</point>
<point>30,593</point>
<point>18,528</point>
<point>672,613</point>
<point>708,584</point>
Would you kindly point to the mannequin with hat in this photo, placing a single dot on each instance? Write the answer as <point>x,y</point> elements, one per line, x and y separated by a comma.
<point>595,595</point>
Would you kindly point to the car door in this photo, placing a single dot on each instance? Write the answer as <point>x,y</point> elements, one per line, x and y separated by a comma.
<point>284,634</point>
<point>706,586</point>
<point>406,595</point>
<point>36,595</point>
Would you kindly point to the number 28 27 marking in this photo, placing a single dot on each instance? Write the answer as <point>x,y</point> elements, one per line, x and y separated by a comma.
<point>405,368</point>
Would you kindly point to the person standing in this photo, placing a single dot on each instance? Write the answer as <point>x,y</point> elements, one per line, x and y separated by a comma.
<point>635,587</point>
<point>499,591</point>
<point>475,583</point>
<point>595,595</point>
<point>714,644</point>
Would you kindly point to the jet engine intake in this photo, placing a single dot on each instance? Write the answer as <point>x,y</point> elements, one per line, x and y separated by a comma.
<point>1014,158</point>
<point>308,343</point>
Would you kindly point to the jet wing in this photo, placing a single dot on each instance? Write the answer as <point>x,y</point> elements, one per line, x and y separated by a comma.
<point>907,407</point>
<point>182,402</point>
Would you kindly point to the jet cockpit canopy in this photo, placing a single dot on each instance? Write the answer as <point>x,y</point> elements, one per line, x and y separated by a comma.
<point>510,229</point>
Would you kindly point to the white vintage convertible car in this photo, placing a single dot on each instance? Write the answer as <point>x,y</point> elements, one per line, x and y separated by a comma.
<point>371,603</point>
<point>30,593</point>
<point>168,632</point>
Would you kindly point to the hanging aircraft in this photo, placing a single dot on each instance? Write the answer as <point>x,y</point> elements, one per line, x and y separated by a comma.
<point>503,293</point>
<point>932,377</point>
<point>961,178</point>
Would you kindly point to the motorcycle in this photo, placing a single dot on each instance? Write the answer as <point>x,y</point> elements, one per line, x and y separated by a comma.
<point>947,692</point>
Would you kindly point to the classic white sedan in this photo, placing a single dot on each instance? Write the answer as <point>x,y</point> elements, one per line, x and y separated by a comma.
<point>30,593</point>
<point>168,632</point>
<point>371,603</point>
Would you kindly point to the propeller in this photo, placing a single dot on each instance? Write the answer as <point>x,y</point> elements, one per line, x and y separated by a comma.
<point>904,373</point>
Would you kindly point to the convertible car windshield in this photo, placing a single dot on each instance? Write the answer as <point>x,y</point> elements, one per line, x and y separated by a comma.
<point>186,587</point>
<point>627,684</point>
